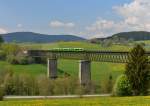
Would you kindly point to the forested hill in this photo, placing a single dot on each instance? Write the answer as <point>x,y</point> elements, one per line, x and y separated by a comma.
<point>23,37</point>
<point>134,35</point>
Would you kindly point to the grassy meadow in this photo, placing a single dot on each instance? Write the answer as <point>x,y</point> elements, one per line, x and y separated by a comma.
<point>85,45</point>
<point>100,70</point>
<point>96,101</point>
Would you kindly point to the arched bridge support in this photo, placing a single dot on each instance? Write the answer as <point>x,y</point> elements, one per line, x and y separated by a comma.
<point>85,72</point>
<point>52,68</point>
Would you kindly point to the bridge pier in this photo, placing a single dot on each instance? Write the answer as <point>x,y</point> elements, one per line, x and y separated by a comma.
<point>52,68</point>
<point>85,72</point>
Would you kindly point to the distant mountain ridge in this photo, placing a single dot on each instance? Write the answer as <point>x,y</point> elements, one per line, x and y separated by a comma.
<point>23,37</point>
<point>134,35</point>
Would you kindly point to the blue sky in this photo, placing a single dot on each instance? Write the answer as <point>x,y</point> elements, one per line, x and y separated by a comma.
<point>62,16</point>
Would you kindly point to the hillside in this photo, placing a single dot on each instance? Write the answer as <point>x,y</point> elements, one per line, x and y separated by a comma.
<point>22,37</point>
<point>134,35</point>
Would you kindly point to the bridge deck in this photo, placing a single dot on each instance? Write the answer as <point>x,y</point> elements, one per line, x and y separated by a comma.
<point>102,56</point>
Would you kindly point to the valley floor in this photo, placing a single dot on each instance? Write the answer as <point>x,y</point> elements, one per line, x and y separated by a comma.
<point>96,101</point>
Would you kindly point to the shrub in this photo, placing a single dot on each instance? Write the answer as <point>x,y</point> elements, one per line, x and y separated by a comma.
<point>122,87</point>
<point>12,59</point>
<point>40,60</point>
<point>8,84</point>
<point>65,86</point>
<point>1,93</point>
<point>23,60</point>
<point>30,85</point>
<point>1,39</point>
<point>80,90</point>
<point>107,85</point>
<point>24,84</point>
<point>2,55</point>
<point>20,85</point>
<point>90,88</point>
<point>10,49</point>
<point>30,60</point>
<point>27,85</point>
<point>45,86</point>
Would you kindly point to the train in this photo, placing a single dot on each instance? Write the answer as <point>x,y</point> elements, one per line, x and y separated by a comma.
<point>68,49</point>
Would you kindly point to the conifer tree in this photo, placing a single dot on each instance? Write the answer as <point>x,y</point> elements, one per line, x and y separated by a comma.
<point>137,71</point>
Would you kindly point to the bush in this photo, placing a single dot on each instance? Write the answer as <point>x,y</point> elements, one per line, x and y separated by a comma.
<point>2,55</point>
<point>20,85</point>
<point>1,39</point>
<point>22,60</point>
<point>31,60</point>
<point>91,88</point>
<point>122,87</point>
<point>1,93</point>
<point>40,60</point>
<point>64,86</point>
<point>24,84</point>
<point>10,49</point>
<point>45,86</point>
<point>12,59</point>
<point>8,84</point>
<point>107,85</point>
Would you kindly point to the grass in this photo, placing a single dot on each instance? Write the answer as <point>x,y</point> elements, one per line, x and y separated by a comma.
<point>33,69</point>
<point>85,45</point>
<point>100,71</point>
<point>97,101</point>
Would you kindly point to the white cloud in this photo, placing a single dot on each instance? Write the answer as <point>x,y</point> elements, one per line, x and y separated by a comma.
<point>137,8</point>
<point>135,16</point>
<point>59,24</point>
<point>100,27</point>
<point>101,24</point>
<point>19,25</point>
<point>3,31</point>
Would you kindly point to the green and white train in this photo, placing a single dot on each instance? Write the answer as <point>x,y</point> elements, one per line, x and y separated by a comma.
<point>68,49</point>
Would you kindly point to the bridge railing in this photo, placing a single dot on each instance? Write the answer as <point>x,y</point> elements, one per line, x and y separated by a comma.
<point>102,56</point>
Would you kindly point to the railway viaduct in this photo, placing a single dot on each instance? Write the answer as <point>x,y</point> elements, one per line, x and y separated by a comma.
<point>85,58</point>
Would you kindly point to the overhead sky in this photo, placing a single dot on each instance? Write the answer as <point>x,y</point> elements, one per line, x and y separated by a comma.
<point>85,18</point>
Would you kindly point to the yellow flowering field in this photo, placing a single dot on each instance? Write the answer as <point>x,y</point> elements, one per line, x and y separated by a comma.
<point>97,101</point>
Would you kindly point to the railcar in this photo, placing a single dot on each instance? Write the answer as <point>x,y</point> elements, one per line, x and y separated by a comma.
<point>68,49</point>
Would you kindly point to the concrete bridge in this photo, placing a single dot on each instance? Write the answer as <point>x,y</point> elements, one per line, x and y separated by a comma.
<point>85,58</point>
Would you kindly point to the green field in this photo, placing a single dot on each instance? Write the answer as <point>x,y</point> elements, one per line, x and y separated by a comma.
<point>99,101</point>
<point>85,45</point>
<point>100,70</point>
